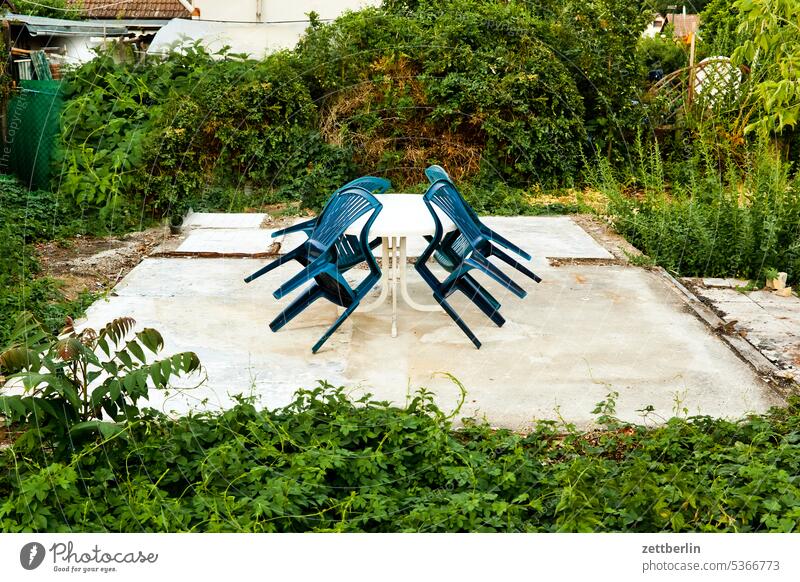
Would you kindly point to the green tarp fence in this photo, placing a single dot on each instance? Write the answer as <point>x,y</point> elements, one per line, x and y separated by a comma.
<point>32,124</point>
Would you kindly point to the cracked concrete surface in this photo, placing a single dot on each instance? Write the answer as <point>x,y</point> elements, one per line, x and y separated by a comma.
<point>585,331</point>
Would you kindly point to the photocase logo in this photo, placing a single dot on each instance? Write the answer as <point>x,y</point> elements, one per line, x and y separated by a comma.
<point>31,555</point>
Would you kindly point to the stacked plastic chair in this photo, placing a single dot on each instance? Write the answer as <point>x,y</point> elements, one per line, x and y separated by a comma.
<point>326,255</point>
<point>466,249</point>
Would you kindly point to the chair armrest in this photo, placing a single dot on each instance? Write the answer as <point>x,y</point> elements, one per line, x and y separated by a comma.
<point>306,226</point>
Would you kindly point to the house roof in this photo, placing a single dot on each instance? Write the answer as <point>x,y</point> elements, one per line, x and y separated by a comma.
<point>162,9</point>
<point>683,24</point>
<point>42,26</point>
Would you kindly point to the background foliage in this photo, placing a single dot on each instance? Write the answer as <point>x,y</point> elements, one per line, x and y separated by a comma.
<point>738,222</point>
<point>26,218</point>
<point>509,93</point>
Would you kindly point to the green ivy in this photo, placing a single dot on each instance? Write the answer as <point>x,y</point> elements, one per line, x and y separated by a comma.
<point>327,463</point>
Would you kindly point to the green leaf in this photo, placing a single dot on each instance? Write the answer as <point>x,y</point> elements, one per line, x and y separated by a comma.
<point>124,357</point>
<point>134,348</point>
<point>13,407</point>
<point>106,429</point>
<point>151,339</point>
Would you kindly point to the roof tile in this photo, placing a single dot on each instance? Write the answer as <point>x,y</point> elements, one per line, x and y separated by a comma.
<point>132,8</point>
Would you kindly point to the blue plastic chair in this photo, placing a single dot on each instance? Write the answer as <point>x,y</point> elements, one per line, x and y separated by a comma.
<point>453,245</point>
<point>325,256</point>
<point>466,249</point>
<point>435,173</point>
<point>371,184</point>
<point>349,242</point>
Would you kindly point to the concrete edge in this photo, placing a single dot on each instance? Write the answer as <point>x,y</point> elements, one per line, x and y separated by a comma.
<point>768,372</point>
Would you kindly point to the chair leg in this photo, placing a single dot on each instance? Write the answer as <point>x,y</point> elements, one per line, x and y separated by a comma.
<point>486,295</point>
<point>292,255</point>
<point>483,264</point>
<point>509,260</point>
<point>475,295</point>
<point>457,318</point>
<point>335,326</point>
<point>498,239</point>
<point>296,307</point>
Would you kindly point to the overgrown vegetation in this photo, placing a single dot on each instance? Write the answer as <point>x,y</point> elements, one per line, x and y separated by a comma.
<point>500,93</point>
<point>714,191</point>
<point>737,222</point>
<point>85,381</point>
<point>26,218</point>
<point>328,463</point>
<point>49,8</point>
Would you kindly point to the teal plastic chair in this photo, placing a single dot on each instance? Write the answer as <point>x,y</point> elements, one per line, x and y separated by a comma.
<point>435,173</point>
<point>371,184</point>
<point>325,256</point>
<point>349,243</point>
<point>464,250</point>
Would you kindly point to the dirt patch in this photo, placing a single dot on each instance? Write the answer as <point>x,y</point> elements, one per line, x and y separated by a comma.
<point>606,237</point>
<point>563,261</point>
<point>98,263</point>
<point>281,215</point>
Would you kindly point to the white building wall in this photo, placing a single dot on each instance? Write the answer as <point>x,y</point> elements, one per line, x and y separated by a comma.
<point>275,10</point>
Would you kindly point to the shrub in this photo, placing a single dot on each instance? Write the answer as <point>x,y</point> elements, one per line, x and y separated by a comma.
<point>26,218</point>
<point>163,134</point>
<point>663,52</point>
<point>502,92</point>
<point>327,463</point>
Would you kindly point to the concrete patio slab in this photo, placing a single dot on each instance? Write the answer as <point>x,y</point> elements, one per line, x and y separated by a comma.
<point>725,283</point>
<point>227,240</point>
<point>224,220</point>
<point>769,322</point>
<point>550,236</point>
<point>582,333</point>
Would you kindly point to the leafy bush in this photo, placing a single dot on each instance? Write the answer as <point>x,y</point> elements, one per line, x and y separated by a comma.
<point>49,8</point>
<point>25,218</point>
<point>163,134</point>
<point>502,92</point>
<point>326,463</point>
<point>718,23</point>
<point>772,47</point>
<point>663,52</point>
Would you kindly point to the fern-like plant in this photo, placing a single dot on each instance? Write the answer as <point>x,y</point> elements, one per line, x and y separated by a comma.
<point>84,381</point>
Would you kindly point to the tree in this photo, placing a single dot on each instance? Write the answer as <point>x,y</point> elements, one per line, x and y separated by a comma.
<point>772,50</point>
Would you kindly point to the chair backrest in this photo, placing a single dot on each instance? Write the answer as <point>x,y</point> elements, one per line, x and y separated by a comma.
<point>443,194</point>
<point>368,183</point>
<point>341,211</point>
<point>435,173</point>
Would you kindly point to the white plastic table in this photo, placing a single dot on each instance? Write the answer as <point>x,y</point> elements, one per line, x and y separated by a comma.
<point>402,216</point>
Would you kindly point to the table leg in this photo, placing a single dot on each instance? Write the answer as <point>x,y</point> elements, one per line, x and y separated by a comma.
<point>394,282</point>
<point>384,280</point>
<point>404,288</point>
